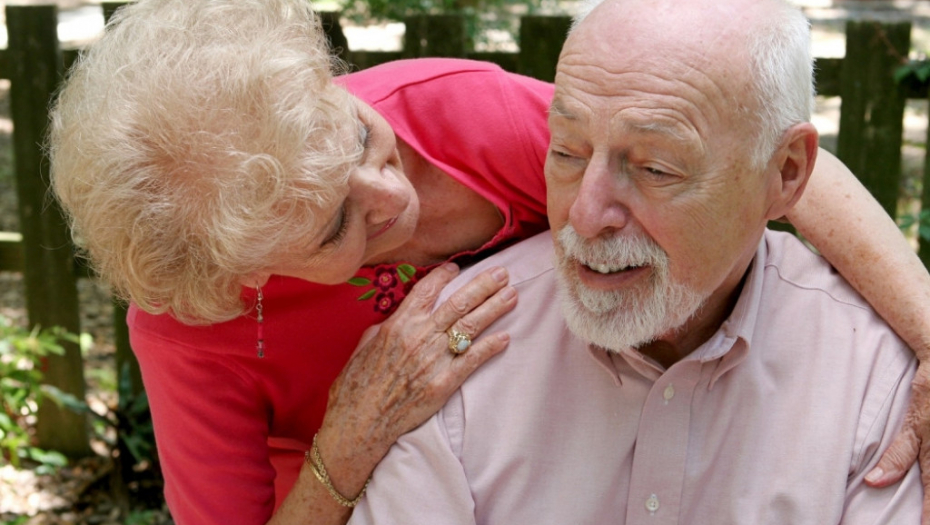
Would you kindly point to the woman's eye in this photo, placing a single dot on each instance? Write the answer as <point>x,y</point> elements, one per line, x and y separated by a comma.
<point>364,135</point>
<point>341,230</point>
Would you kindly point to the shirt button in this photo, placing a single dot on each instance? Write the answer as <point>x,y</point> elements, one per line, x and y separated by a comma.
<point>652,504</point>
<point>669,393</point>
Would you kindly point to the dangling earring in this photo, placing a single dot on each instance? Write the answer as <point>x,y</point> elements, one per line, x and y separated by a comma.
<point>260,346</point>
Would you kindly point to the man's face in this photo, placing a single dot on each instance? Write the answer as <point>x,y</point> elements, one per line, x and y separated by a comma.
<point>652,199</point>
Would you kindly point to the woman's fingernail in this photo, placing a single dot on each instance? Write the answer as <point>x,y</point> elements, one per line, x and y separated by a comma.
<point>875,476</point>
<point>508,293</point>
<point>499,274</point>
<point>451,267</point>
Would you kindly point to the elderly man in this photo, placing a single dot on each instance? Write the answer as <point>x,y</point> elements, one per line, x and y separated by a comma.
<point>702,369</point>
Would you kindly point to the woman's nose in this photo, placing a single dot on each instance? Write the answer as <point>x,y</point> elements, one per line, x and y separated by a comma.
<point>382,192</point>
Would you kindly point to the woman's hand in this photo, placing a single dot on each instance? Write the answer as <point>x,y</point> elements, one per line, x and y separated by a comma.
<point>912,442</point>
<point>403,371</point>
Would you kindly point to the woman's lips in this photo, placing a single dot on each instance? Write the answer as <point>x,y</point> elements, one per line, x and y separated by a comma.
<point>387,226</point>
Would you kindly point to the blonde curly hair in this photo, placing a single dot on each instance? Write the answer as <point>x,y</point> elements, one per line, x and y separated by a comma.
<point>197,141</point>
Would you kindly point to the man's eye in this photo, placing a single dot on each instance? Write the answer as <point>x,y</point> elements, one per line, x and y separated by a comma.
<point>561,154</point>
<point>658,175</point>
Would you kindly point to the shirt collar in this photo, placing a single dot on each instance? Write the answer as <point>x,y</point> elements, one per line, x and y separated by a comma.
<point>728,346</point>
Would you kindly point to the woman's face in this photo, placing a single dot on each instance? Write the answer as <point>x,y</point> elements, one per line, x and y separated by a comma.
<point>377,213</point>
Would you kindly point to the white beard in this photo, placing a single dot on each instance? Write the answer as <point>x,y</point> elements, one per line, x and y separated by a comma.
<point>616,320</point>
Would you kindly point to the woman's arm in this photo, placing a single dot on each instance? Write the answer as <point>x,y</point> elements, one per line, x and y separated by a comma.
<point>842,219</point>
<point>401,373</point>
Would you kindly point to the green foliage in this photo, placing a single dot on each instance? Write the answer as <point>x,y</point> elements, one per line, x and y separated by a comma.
<point>923,224</point>
<point>919,69</point>
<point>130,419</point>
<point>136,430</point>
<point>142,517</point>
<point>21,391</point>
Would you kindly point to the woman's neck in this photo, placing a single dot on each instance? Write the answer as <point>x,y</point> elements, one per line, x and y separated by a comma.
<point>453,217</point>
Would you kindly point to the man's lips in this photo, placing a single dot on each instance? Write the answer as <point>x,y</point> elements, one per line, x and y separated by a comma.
<point>605,269</point>
<point>602,276</point>
<point>387,226</point>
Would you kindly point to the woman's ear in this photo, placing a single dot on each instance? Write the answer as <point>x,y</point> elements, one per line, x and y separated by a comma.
<point>255,279</point>
<point>794,160</point>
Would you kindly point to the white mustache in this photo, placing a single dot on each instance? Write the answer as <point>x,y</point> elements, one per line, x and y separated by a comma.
<point>626,318</point>
<point>612,254</point>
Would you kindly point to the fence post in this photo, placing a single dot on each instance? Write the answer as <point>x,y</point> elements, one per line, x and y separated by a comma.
<point>51,284</point>
<point>541,39</point>
<point>872,108</point>
<point>435,36</point>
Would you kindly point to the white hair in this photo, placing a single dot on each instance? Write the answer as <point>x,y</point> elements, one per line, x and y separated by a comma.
<point>620,319</point>
<point>782,72</point>
<point>194,142</point>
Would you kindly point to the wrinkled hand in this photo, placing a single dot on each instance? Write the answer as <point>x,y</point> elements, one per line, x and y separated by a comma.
<point>403,372</point>
<point>912,442</point>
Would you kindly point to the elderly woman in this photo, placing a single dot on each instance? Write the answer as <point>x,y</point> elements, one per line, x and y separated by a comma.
<point>268,226</point>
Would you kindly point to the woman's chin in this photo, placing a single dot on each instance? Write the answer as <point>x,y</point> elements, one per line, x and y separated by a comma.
<point>388,256</point>
<point>393,245</point>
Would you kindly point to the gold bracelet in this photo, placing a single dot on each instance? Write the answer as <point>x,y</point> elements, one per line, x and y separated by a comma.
<point>312,458</point>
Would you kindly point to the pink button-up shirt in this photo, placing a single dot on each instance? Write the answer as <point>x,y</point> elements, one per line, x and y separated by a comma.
<point>774,420</point>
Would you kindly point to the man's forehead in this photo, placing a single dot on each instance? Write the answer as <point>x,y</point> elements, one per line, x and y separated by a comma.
<point>639,103</point>
<point>701,31</point>
<point>598,124</point>
<point>706,81</point>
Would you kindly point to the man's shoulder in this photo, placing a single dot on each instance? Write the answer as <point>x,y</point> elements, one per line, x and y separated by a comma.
<point>810,311</point>
<point>524,261</point>
<point>791,263</point>
<point>540,340</point>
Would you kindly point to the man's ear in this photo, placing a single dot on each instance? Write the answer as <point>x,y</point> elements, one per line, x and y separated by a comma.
<point>794,161</point>
<point>255,279</point>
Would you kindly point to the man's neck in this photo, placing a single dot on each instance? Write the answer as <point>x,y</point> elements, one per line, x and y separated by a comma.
<point>670,348</point>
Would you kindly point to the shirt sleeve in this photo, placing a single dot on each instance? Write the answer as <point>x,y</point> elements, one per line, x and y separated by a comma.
<point>210,431</point>
<point>421,480</point>
<point>883,412</point>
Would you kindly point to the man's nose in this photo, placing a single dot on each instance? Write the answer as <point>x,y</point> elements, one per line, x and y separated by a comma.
<point>599,206</point>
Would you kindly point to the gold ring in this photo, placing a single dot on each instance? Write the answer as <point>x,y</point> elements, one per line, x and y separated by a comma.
<point>458,341</point>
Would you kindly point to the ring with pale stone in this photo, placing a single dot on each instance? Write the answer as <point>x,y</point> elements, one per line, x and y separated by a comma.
<point>458,341</point>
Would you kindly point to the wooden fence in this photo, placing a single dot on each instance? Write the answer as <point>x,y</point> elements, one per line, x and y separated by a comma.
<point>869,142</point>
